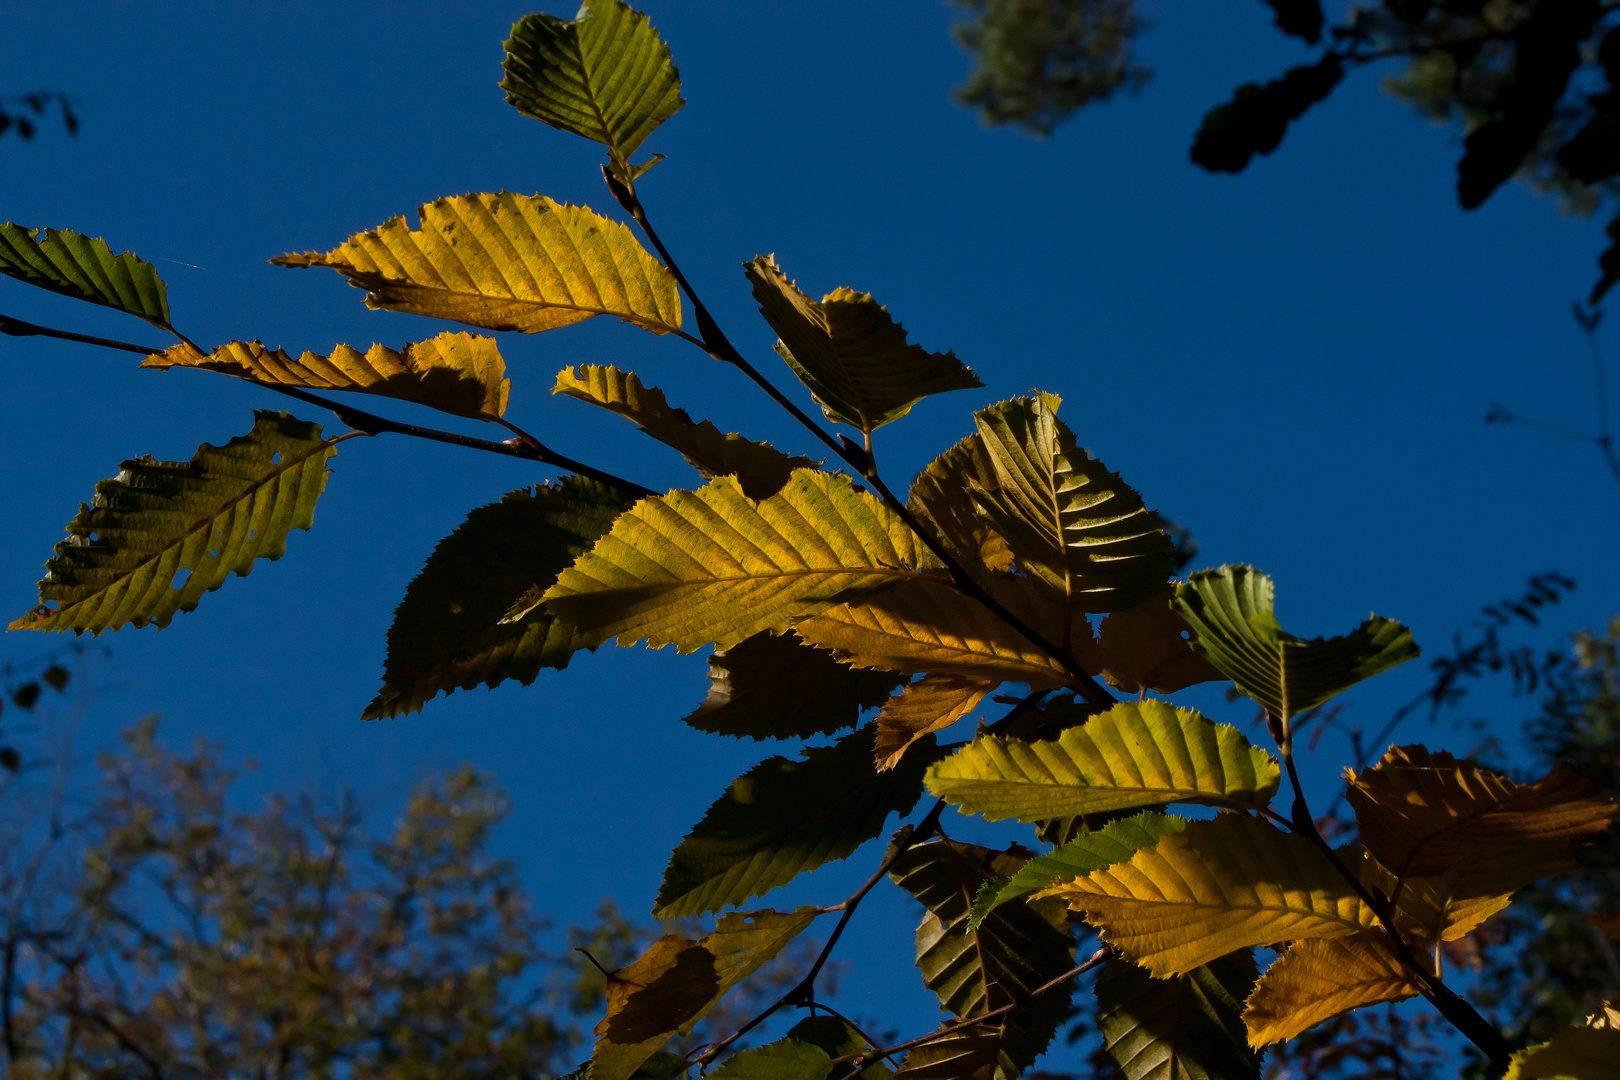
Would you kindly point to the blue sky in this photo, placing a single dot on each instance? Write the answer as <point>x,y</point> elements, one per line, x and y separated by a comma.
<point>1294,362</point>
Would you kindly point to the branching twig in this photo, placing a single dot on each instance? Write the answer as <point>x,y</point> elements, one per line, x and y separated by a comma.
<point>525,446</point>
<point>715,343</point>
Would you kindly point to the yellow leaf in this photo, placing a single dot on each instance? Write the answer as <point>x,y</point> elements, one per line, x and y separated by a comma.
<point>1320,978</point>
<point>673,985</point>
<point>1421,813</point>
<point>507,262</point>
<point>712,566</point>
<point>1607,1018</point>
<point>1441,907</point>
<point>1212,888</point>
<point>932,704</point>
<point>1135,754</point>
<point>1145,649</point>
<point>761,469</point>
<point>457,373</point>
<point>1576,1054</point>
<point>939,496</point>
<point>925,625</point>
<point>849,351</point>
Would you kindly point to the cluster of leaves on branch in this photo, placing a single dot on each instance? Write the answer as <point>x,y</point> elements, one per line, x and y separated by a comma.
<point>1533,85</point>
<point>1016,557</point>
<point>27,108</point>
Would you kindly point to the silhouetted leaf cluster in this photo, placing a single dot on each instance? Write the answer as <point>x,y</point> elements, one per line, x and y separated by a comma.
<point>25,109</point>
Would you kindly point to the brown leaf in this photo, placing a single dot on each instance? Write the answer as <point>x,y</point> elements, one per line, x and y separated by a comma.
<point>1148,647</point>
<point>932,704</point>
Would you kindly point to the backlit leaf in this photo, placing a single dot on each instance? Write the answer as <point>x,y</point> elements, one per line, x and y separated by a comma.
<point>712,566</point>
<point>1113,843</point>
<point>774,686</point>
<point>784,817</point>
<point>932,704</point>
<point>971,1054</point>
<point>761,469</point>
<point>74,265</point>
<point>603,74</point>
<point>1317,979</point>
<point>162,533</point>
<point>939,496</point>
<point>457,373</point>
<point>1187,1026</point>
<point>1137,754</point>
<point>784,1059</point>
<point>1213,888</point>
<point>1230,611</point>
<point>838,1038</point>
<point>1144,648</point>
<point>924,625</point>
<point>1422,812</point>
<point>449,631</point>
<point>1010,953</point>
<point>673,985</point>
<point>1069,521</point>
<point>506,262</point>
<point>1576,1054</point>
<point>850,353</point>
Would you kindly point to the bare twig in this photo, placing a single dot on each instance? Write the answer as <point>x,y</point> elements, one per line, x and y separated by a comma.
<point>525,446</point>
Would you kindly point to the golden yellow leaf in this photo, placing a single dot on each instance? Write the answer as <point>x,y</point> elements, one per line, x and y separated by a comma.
<point>456,372</point>
<point>1441,907</point>
<point>1320,978</point>
<point>1607,1018</point>
<point>931,704</point>
<point>761,469</point>
<point>712,566</point>
<point>939,496</point>
<point>1575,1054</point>
<point>507,262</point>
<point>1148,648</point>
<point>1423,812</point>
<point>1212,888</point>
<point>925,625</point>
<point>1134,755</point>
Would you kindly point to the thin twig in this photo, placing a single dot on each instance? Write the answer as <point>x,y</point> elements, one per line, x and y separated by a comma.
<point>715,343</point>
<point>525,446</point>
<point>1101,955</point>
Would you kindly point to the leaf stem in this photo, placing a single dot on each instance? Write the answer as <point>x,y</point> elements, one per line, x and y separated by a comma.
<point>525,446</point>
<point>1456,1010</point>
<point>715,343</point>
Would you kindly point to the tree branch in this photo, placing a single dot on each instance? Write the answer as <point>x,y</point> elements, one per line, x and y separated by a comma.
<point>718,346</point>
<point>525,446</point>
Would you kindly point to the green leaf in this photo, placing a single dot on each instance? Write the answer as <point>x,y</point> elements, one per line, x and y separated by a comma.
<point>457,373</point>
<point>674,984</point>
<point>1186,1026</point>
<point>1137,754</point>
<point>850,353</point>
<point>506,262</point>
<point>1070,522</point>
<point>1114,843</point>
<point>1009,954</point>
<point>838,1039</point>
<point>662,1065</point>
<point>162,533</point>
<point>774,686</point>
<point>785,1059</point>
<point>760,468</point>
<point>449,631</point>
<point>1235,628</point>
<point>1213,888</point>
<point>971,1054</point>
<point>782,818</point>
<point>603,74</point>
<point>74,265</point>
<point>712,566</point>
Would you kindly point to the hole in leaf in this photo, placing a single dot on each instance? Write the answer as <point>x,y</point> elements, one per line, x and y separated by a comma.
<point>275,458</point>
<point>180,578</point>
<point>214,554</point>
<point>1186,635</point>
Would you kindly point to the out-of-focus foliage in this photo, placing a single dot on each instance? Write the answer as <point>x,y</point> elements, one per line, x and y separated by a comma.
<point>21,113</point>
<point>1040,60</point>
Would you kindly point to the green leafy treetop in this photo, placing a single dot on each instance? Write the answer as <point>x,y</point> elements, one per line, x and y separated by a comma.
<point>1015,558</point>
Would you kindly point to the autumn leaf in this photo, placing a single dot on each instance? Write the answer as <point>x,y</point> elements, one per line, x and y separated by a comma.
<point>506,262</point>
<point>1320,978</point>
<point>1136,754</point>
<point>932,704</point>
<point>1185,1026</point>
<point>1148,648</point>
<point>940,498</point>
<point>458,373</point>
<point>774,686</point>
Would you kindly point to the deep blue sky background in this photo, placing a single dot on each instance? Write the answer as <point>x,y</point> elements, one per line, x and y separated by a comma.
<point>1294,362</point>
